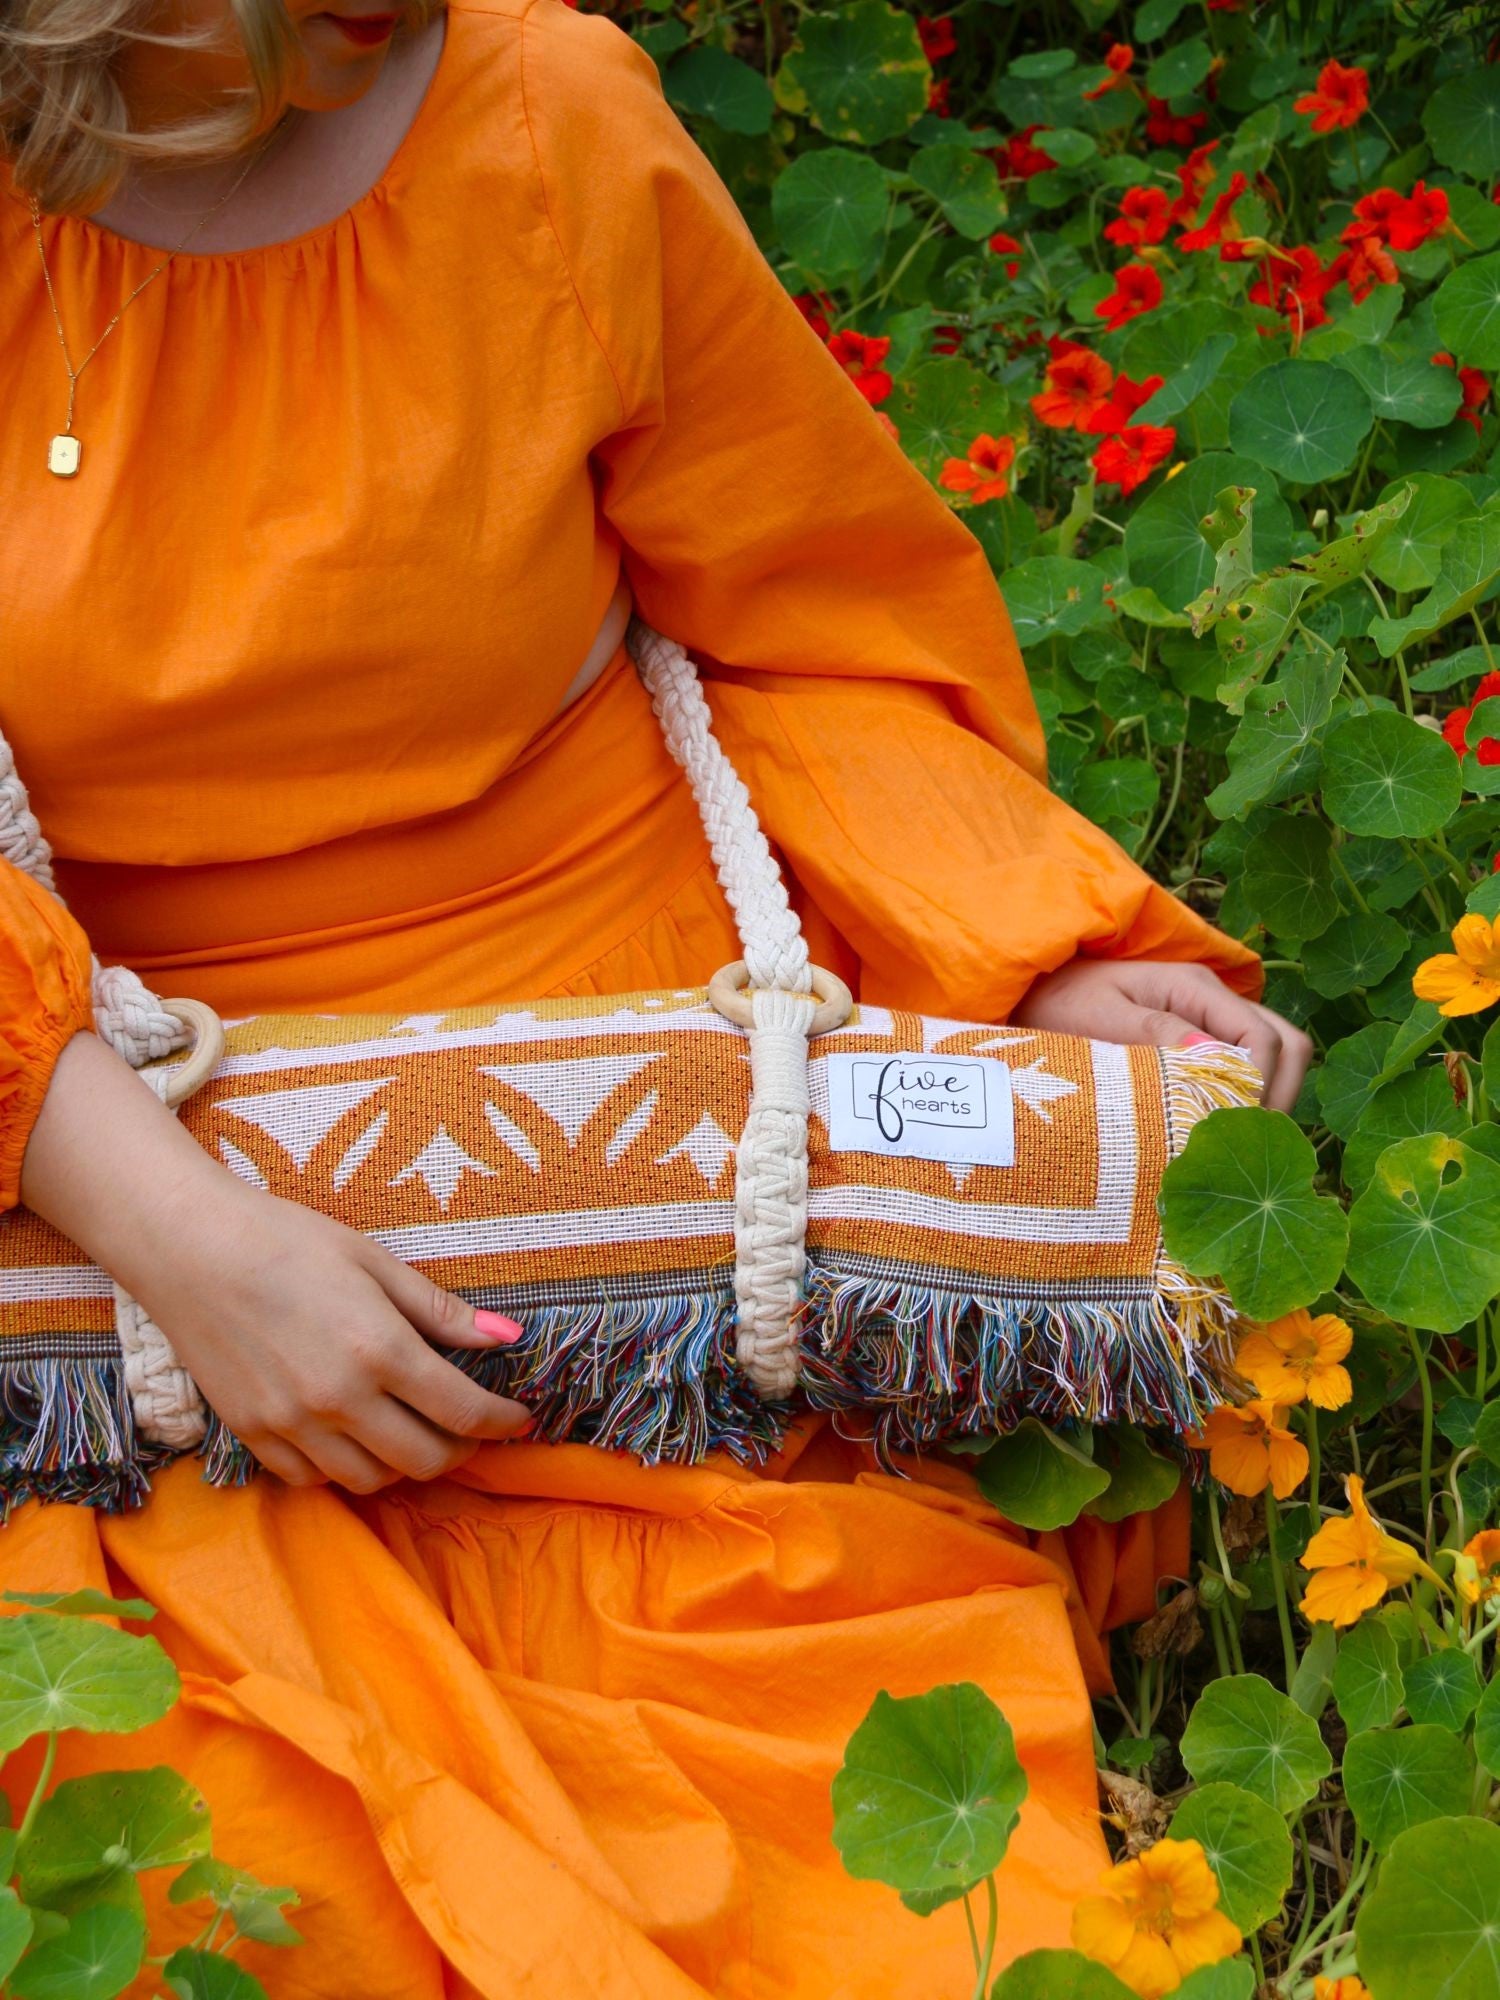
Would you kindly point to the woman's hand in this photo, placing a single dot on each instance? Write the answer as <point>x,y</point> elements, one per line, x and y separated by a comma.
<point>1144,1000</point>
<point>307,1338</point>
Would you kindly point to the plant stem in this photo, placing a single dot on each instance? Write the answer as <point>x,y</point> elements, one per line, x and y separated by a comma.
<point>48,1760</point>
<point>973,1933</point>
<point>1278,1584</point>
<point>1424,1378</point>
<point>981,1985</point>
<point>1314,1465</point>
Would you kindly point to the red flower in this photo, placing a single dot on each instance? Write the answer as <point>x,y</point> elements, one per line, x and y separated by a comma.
<point>1365,264</point>
<point>1456,724</point>
<point>1164,127</point>
<point>815,308</point>
<point>1144,215</point>
<point>1295,284</point>
<point>981,472</point>
<point>1018,159</point>
<point>1137,290</point>
<point>947,339</point>
<point>860,355</point>
<point>1476,388</point>
<point>1118,62</point>
<point>1125,398</point>
<point>1340,100</point>
<point>937,96</point>
<point>938,37</point>
<point>1078,386</point>
<point>1128,459</point>
<point>1401,222</point>
<point>1193,175</point>
<point>1001,243</point>
<point>1220,224</point>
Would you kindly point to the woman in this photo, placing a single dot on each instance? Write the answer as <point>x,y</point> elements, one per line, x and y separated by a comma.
<point>313,610</point>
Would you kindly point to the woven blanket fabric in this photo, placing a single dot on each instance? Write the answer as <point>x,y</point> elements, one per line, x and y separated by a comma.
<point>572,1163</point>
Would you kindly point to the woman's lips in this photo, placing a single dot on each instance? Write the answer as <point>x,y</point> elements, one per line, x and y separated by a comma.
<point>366,29</point>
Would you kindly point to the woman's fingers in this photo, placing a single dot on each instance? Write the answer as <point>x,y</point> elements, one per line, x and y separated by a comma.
<point>435,1389</point>
<point>281,1456</point>
<point>439,1316</point>
<point>411,1446</point>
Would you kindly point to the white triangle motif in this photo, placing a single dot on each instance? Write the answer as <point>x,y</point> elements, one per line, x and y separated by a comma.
<point>242,1164</point>
<point>571,1091</point>
<point>708,1146</point>
<point>510,1134</point>
<point>442,1164</point>
<point>301,1119</point>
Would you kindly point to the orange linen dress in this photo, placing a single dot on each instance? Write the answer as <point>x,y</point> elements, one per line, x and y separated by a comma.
<point>282,668</point>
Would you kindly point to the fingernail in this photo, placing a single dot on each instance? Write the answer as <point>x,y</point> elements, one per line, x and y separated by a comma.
<point>525,1429</point>
<point>1194,1041</point>
<point>497,1326</point>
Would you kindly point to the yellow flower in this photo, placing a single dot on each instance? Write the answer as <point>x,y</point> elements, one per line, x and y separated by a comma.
<point>1347,1988</point>
<point>1479,1572</point>
<point>1297,1356</point>
<point>1356,1562</point>
<point>1468,982</point>
<point>1249,1448</point>
<point>1156,1919</point>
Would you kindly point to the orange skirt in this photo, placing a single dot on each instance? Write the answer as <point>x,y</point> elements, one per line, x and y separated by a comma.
<point>560,1724</point>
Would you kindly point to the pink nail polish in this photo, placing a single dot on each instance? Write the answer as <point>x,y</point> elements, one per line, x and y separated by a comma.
<point>1195,1040</point>
<point>497,1327</point>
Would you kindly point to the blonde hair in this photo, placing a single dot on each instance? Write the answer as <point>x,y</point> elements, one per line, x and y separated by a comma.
<point>64,125</point>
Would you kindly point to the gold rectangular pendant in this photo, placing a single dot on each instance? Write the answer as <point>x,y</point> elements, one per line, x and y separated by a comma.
<point>63,455</point>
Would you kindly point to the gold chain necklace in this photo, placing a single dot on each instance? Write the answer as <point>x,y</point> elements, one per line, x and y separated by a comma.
<point>65,451</point>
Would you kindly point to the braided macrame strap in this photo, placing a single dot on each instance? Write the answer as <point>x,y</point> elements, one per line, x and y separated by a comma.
<point>788,999</point>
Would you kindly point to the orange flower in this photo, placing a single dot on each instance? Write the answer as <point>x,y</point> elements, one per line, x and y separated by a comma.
<point>1340,100</point>
<point>1137,290</point>
<point>1356,1563</point>
<point>1249,1448</point>
<point>1129,458</point>
<point>1078,384</point>
<point>1298,1356</point>
<point>1156,1919</point>
<point>1125,398</point>
<point>982,473</point>
<point>1467,980</point>
<point>1364,265</point>
<point>1478,1574</point>
<point>1145,213</point>
<point>1118,62</point>
<point>1347,1988</point>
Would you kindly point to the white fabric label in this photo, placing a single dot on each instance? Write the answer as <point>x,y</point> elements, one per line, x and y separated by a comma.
<point>916,1107</point>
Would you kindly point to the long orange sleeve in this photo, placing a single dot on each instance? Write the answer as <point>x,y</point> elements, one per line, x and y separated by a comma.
<point>45,998</point>
<point>864,674</point>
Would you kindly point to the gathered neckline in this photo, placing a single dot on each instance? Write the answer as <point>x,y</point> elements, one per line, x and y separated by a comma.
<point>374,195</point>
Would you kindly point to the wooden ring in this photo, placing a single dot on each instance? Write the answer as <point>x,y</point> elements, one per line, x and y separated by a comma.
<point>729,994</point>
<point>203,1057</point>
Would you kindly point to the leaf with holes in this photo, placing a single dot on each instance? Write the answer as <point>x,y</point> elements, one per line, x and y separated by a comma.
<point>929,1792</point>
<point>1424,1237</point>
<point>1247,1846</point>
<point>69,1673</point>
<point>1408,1107</point>
<point>1243,1731</point>
<point>1399,1778</point>
<point>1253,630</point>
<point>1164,542</point>
<point>1306,420</point>
<point>1238,1203</point>
<point>858,72</point>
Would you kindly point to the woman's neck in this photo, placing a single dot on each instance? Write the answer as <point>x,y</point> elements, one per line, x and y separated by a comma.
<point>322,164</point>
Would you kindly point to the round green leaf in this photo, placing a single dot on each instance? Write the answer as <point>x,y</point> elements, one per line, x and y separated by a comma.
<point>1428,1930</point>
<point>1181,69</point>
<point>966,186</point>
<point>97,1957</point>
<point>1242,1731</point>
<point>859,72</point>
<point>1289,876</point>
<point>1238,1202</point>
<point>939,410</point>
<point>1443,1689</point>
<point>112,1822</point>
<point>1424,1237</point>
<point>1463,123</point>
<point>1487,1728</point>
<point>1408,1107</point>
<point>1355,951</point>
<point>714,84</point>
<point>1350,1075</point>
<point>206,1975</point>
<point>69,1673</point>
<point>1306,420</point>
<point>929,1791</point>
<point>1164,542</point>
<point>1247,1845</point>
<point>16,1927</point>
<point>1399,1778</point>
<point>1037,1479</point>
<point>1117,788</point>
<point>1410,388</point>
<point>1054,594</point>
<point>1410,555</point>
<point>1139,1479</point>
<point>1466,306</point>
<point>1058,1975</point>
<point>829,208</point>
<point>1385,774</point>
<point>1367,1683</point>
